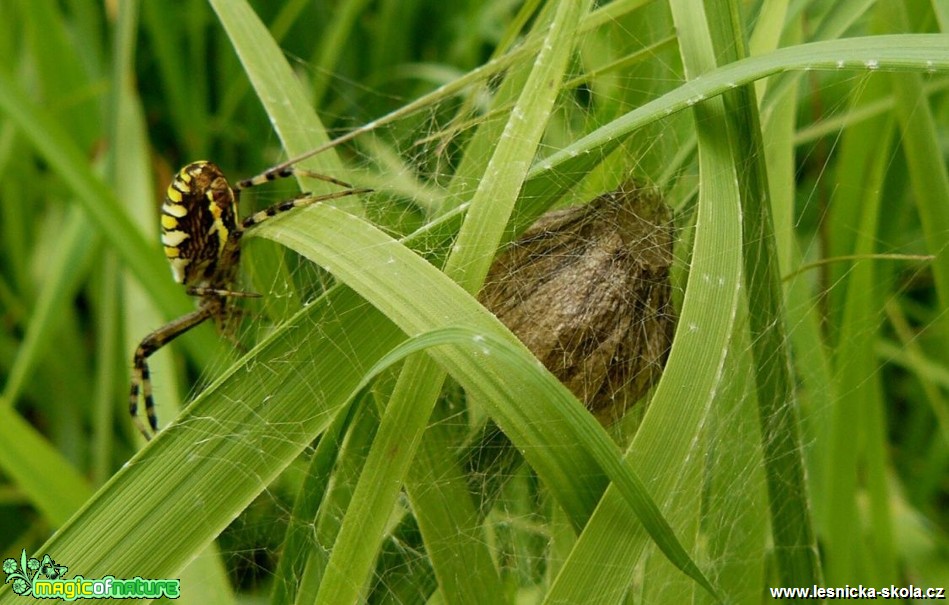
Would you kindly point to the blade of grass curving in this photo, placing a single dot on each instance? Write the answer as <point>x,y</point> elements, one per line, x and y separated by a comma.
<point>449,508</point>
<point>904,52</point>
<point>446,515</point>
<point>834,24</point>
<point>501,160</point>
<point>701,34</point>
<point>284,99</point>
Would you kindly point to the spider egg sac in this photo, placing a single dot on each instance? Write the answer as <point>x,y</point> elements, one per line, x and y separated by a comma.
<point>587,290</point>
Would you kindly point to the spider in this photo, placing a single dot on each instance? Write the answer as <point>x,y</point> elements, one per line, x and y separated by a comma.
<point>201,234</point>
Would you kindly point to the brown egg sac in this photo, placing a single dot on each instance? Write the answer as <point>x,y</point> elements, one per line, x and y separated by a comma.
<point>587,290</point>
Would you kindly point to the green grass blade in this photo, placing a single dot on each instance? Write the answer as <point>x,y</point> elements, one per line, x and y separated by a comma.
<point>792,530</point>
<point>927,174</point>
<point>925,53</point>
<point>26,456</point>
<point>286,103</point>
<point>65,269</point>
<point>298,543</point>
<point>862,315</point>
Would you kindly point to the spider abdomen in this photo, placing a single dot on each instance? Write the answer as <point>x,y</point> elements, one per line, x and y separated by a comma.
<point>199,226</point>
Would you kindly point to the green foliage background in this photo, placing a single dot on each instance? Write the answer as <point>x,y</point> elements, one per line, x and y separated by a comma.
<point>798,435</point>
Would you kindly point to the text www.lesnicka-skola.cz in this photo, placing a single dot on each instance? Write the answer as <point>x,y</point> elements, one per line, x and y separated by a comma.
<point>859,592</point>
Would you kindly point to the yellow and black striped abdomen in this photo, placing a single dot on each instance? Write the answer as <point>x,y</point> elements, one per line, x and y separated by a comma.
<point>199,226</point>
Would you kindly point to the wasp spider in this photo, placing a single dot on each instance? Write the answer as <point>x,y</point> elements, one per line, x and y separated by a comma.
<point>201,233</point>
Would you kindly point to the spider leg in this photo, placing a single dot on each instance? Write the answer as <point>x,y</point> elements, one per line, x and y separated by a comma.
<point>225,313</point>
<point>202,291</point>
<point>300,201</point>
<point>141,380</point>
<point>286,172</point>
